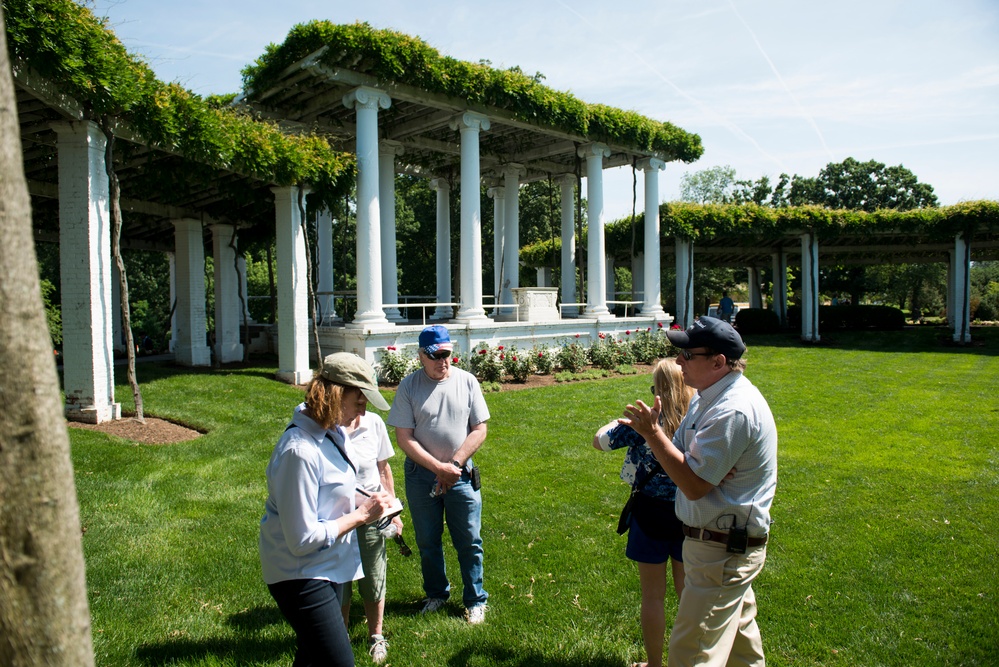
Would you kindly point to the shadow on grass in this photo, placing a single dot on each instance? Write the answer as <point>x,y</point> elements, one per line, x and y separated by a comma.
<point>501,654</point>
<point>984,340</point>
<point>255,619</point>
<point>241,650</point>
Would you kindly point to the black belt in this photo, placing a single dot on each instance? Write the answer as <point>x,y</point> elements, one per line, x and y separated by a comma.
<point>718,536</point>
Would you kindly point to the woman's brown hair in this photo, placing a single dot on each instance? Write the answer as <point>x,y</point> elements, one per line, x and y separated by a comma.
<point>668,380</point>
<point>324,400</point>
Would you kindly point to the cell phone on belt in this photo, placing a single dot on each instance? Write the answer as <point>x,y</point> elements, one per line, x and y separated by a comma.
<point>738,540</point>
<point>473,475</point>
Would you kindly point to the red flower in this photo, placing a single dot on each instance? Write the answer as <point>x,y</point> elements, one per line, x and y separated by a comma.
<point>391,347</point>
<point>602,336</point>
<point>649,329</point>
<point>499,347</point>
<point>540,354</point>
<point>619,340</point>
<point>577,335</point>
<point>482,351</point>
<point>515,358</point>
<point>502,357</point>
<point>659,324</point>
<point>627,332</point>
<point>454,360</point>
<point>675,326</point>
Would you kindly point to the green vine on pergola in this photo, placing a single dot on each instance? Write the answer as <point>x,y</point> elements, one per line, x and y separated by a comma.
<point>393,57</point>
<point>67,45</point>
<point>750,223</point>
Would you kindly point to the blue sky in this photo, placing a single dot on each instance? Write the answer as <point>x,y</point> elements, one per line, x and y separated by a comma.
<point>771,86</point>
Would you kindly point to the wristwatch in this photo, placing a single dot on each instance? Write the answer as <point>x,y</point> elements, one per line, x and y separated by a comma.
<point>457,465</point>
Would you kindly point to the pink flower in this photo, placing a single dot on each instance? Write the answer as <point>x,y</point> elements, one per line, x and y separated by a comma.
<point>482,351</point>
<point>499,347</point>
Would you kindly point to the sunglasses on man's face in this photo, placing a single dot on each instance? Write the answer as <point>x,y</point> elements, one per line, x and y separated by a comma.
<point>688,355</point>
<point>440,355</point>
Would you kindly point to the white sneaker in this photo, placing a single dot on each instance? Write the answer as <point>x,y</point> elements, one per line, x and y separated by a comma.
<point>476,614</point>
<point>378,649</point>
<point>433,604</point>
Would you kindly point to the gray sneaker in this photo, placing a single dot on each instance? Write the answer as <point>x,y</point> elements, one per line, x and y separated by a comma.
<point>476,614</point>
<point>433,604</point>
<point>378,648</point>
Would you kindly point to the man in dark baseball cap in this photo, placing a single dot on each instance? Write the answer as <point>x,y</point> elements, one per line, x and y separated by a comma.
<point>712,333</point>
<point>728,434</point>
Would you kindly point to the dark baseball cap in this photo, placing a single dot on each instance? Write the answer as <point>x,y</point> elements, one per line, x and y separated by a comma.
<point>712,333</point>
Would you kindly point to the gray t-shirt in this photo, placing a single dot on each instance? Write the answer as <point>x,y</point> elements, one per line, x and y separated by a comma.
<point>441,414</point>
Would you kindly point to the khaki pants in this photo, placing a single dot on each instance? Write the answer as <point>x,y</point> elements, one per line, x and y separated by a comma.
<point>716,621</point>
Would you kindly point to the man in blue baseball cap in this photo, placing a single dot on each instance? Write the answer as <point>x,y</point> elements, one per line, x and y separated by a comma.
<point>728,434</point>
<point>440,417</point>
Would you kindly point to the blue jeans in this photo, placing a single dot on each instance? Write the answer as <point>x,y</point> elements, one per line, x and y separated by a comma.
<point>462,506</point>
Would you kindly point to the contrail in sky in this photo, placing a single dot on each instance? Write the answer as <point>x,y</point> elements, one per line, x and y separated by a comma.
<point>725,122</point>
<point>794,99</point>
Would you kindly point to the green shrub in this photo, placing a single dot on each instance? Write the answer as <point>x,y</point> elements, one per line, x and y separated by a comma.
<point>609,353</point>
<point>572,357</point>
<point>648,345</point>
<point>518,365</point>
<point>394,365</point>
<point>544,360</point>
<point>484,363</point>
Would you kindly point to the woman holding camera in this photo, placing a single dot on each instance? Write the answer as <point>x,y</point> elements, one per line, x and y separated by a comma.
<point>655,535</point>
<point>308,547</point>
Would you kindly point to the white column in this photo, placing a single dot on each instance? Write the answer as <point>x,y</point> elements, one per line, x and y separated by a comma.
<point>809,288</point>
<point>443,189</point>
<point>596,276</point>
<point>324,282</point>
<point>190,348</point>
<point>292,288</point>
<point>388,150</point>
<point>951,289</point>
<point>85,266</point>
<point>567,190</point>
<point>511,237</point>
<point>243,289</point>
<point>962,290</point>
<point>684,282</point>
<point>228,347</point>
<point>469,124</point>
<point>366,102</point>
<point>172,261</point>
<point>779,268</point>
<point>652,282</point>
<point>499,225</point>
<point>755,297</point>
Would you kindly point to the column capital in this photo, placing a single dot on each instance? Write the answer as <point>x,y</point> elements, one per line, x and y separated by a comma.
<point>496,192</point>
<point>651,164</point>
<point>593,150</point>
<point>513,170</point>
<point>367,98</point>
<point>222,228</point>
<point>470,121</point>
<point>567,179</point>
<point>439,184</point>
<point>390,148</point>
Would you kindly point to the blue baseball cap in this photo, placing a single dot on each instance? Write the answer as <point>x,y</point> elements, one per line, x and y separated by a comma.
<point>435,337</point>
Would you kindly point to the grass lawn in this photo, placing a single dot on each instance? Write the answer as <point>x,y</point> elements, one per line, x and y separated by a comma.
<point>883,550</point>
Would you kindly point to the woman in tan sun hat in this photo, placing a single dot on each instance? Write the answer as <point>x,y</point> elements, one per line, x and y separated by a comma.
<point>308,544</point>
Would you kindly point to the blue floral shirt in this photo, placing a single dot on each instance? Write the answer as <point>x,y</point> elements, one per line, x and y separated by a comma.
<point>639,461</point>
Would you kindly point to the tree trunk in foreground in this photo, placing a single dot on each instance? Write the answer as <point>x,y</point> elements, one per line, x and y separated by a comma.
<point>44,619</point>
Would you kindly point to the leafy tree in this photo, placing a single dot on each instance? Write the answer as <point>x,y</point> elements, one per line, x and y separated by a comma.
<point>985,291</point>
<point>44,618</point>
<point>708,186</point>
<point>862,186</point>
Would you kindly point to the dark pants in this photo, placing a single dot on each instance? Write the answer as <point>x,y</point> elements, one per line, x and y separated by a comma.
<point>312,607</point>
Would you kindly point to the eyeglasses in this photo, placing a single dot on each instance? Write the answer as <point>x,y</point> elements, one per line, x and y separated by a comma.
<point>688,355</point>
<point>440,355</point>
